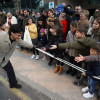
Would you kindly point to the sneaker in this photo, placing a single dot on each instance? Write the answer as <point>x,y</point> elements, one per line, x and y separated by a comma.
<point>37,57</point>
<point>77,83</point>
<point>87,95</point>
<point>33,56</point>
<point>18,86</point>
<point>85,89</point>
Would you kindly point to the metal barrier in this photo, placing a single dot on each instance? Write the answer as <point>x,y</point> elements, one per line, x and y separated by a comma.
<point>66,62</point>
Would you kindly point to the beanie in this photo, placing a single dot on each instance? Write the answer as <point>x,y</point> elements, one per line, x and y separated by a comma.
<point>42,30</point>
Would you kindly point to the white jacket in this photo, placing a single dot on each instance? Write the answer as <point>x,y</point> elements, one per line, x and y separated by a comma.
<point>13,20</point>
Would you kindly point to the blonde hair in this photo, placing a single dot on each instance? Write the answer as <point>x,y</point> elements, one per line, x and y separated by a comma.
<point>86,12</point>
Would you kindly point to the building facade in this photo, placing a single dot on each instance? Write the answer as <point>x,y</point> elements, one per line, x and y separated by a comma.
<point>86,4</point>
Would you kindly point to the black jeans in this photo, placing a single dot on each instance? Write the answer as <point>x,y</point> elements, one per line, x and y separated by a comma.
<point>35,42</point>
<point>10,73</point>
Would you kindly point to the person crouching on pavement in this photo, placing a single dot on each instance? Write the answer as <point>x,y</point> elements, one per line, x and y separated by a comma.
<point>55,40</point>
<point>8,42</point>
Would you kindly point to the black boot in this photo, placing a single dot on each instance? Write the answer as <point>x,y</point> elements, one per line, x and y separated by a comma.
<point>18,86</point>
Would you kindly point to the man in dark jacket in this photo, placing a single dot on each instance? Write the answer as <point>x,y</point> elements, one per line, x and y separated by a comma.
<point>75,14</point>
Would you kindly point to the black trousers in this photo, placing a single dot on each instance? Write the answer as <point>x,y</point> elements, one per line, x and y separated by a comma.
<point>10,73</point>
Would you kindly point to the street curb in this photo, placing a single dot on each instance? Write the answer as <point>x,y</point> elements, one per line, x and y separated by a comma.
<point>41,89</point>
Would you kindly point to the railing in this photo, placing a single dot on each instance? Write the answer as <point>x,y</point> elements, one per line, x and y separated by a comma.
<point>66,62</point>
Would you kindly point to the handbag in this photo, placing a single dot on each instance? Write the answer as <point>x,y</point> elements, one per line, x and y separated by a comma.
<point>27,37</point>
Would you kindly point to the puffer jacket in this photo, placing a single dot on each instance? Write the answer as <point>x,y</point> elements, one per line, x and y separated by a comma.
<point>93,69</point>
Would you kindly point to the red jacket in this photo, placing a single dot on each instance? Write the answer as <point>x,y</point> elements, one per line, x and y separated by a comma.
<point>65,25</point>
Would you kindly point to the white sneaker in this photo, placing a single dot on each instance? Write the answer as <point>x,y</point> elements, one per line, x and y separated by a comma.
<point>87,95</point>
<point>33,56</point>
<point>37,57</point>
<point>85,89</point>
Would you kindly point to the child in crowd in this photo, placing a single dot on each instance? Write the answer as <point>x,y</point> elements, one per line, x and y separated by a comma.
<point>43,41</point>
<point>70,38</point>
<point>52,21</point>
<point>96,30</point>
<point>57,37</point>
<point>33,34</point>
<point>93,69</point>
<point>41,24</point>
<point>82,43</point>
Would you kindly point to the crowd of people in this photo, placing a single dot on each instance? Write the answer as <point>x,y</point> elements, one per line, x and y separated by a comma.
<point>72,33</point>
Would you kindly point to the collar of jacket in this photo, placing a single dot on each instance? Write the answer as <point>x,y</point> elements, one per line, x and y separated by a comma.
<point>7,39</point>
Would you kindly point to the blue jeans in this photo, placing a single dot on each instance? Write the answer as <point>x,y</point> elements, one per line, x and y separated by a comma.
<point>91,85</point>
<point>99,92</point>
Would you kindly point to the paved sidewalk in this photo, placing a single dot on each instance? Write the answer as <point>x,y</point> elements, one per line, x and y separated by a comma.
<point>40,76</point>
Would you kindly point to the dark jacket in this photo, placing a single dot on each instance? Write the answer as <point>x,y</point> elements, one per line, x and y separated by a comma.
<point>43,41</point>
<point>96,35</point>
<point>55,40</point>
<point>72,13</point>
<point>93,69</point>
<point>81,46</point>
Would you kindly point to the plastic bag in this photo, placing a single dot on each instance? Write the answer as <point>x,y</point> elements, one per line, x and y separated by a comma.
<point>27,37</point>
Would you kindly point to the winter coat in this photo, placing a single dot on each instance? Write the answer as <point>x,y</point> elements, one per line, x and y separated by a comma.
<point>70,38</point>
<point>65,25</point>
<point>81,46</point>
<point>13,20</point>
<point>55,40</point>
<point>96,35</point>
<point>93,69</point>
<point>92,58</point>
<point>43,41</point>
<point>72,13</point>
<point>7,48</point>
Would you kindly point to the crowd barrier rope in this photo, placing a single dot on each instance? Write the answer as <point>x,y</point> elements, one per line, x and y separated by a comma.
<point>66,62</point>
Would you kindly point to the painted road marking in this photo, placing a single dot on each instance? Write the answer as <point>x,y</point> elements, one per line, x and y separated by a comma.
<point>17,92</point>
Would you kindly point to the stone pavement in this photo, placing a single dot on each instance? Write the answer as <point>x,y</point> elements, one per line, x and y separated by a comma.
<point>40,76</point>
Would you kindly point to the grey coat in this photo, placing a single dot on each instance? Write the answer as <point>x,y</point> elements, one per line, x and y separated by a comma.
<point>70,38</point>
<point>7,48</point>
<point>92,58</point>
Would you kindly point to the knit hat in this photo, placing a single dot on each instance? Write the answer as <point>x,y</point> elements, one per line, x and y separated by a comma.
<point>42,30</point>
<point>51,19</point>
